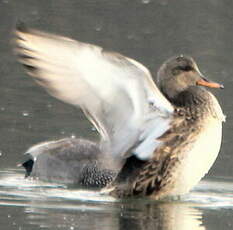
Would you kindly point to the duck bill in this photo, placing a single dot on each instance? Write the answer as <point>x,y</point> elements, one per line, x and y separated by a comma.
<point>210,84</point>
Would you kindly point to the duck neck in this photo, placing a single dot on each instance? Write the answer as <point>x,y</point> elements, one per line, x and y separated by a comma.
<point>194,96</point>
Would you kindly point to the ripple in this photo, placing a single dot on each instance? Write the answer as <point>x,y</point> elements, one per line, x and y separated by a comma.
<point>16,190</point>
<point>13,187</point>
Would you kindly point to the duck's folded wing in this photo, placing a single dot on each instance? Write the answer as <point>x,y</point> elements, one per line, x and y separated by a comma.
<point>116,93</point>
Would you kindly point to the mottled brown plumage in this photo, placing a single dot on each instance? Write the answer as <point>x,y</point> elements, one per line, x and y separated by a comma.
<point>157,176</point>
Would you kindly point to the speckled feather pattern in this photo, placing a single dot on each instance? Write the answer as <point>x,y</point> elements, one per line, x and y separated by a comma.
<point>94,177</point>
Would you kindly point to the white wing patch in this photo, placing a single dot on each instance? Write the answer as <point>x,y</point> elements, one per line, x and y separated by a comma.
<point>152,131</point>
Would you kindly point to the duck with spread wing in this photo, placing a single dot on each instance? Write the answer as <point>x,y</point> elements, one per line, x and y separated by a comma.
<point>155,141</point>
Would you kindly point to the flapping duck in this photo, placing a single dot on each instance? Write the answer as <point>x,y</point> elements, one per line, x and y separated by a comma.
<point>155,140</point>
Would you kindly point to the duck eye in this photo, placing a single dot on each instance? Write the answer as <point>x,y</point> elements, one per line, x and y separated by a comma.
<point>180,69</point>
<point>186,68</point>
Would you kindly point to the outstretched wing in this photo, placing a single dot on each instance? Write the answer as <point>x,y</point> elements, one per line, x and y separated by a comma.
<point>116,93</point>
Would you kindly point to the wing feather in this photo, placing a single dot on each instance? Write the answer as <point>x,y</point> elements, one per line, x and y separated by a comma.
<point>116,93</point>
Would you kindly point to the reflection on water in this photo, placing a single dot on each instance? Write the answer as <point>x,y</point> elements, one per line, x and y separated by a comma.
<point>53,206</point>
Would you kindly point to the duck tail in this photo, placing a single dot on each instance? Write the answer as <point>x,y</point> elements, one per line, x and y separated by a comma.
<point>28,165</point>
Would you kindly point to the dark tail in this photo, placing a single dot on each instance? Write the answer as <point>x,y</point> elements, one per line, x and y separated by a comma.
<point>28,165</point>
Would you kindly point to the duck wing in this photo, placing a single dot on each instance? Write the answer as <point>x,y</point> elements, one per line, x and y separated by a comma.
<point>116,93</point>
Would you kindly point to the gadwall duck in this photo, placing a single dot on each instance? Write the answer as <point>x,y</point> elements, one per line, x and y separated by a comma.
<point>155,141</point>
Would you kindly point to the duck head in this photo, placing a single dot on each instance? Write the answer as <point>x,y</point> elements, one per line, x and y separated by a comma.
<point>179,73</point>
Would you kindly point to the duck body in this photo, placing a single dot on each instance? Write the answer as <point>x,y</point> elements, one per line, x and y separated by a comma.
<point>155,140</point>
<point>70,161</point>
<point>189,149</point>
<point>202,142</point>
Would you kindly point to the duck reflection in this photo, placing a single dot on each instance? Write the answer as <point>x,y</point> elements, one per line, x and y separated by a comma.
<point>119,216</point>
<point>165,216</point>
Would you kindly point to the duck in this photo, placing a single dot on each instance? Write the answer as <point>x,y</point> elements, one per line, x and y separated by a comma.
<point>156,140</point>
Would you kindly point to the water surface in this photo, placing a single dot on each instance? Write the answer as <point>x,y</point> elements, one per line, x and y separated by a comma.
<point>30,204</point>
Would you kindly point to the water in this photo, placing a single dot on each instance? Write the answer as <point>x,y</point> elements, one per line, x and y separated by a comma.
<point>149,31</point>
<point>29,204</point>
